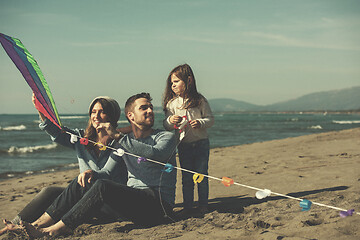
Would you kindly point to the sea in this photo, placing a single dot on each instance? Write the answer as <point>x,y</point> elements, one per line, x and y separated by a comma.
<point>27,150</point>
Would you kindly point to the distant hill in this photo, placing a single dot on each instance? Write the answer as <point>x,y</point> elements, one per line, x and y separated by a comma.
<point>337,100</point>
<point>231,105</point>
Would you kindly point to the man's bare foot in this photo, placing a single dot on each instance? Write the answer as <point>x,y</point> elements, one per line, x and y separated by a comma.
<point>44,221</point>
<point>9,226</point>
<point>58,228</point>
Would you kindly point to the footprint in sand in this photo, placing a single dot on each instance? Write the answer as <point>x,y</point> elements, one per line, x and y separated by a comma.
<point>312,222</point>
<point>32,191</point>
<point>261,224</point>
<point>13,198</point>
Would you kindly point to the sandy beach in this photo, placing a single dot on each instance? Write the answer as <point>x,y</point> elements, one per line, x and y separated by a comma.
<point>323,168</point>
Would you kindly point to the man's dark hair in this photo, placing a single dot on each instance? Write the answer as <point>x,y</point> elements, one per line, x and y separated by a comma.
<point>129,105</point>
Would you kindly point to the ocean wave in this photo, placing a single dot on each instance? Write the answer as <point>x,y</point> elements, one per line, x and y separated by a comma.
<point>71,165</point>
<point>316,127</point>
<point>13,128</point>
<point>73,117</point>
<point>123,121</point>
<point>47,170</point>
<point>78,117</point>
<point>30,149</point>
<point>10,174</point>
<point>347,122</point>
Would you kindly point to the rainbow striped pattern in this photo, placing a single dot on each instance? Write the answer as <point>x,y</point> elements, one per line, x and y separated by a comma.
<point>30,70</point>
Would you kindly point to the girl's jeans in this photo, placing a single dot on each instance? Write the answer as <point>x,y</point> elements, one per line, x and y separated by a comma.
<point>194,156</point>
<point>77,204</point>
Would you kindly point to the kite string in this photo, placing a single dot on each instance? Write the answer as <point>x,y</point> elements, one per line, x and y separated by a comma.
<point>221,180</point>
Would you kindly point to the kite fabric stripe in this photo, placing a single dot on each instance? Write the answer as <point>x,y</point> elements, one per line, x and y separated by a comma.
<point>30,70</point>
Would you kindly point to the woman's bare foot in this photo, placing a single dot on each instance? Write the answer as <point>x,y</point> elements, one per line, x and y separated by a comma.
<point>9,226</point>
<point>57,229</point>
<point>32,231</point>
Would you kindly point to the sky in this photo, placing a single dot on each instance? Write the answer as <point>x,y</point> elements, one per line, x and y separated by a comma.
<point>261,52</point>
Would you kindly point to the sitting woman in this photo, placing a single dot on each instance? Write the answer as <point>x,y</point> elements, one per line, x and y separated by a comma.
<point>94,162</point>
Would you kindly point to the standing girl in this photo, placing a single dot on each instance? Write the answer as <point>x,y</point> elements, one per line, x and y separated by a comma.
<point>183,102</point>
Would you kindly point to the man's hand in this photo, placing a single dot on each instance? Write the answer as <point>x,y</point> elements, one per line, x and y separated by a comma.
<point>85,176</point>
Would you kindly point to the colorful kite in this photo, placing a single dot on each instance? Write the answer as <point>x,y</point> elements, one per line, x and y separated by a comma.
<point>29,68</point>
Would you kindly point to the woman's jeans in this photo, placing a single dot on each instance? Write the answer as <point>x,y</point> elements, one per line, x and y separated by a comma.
<point>38,205</point>
<point>46,197</point>
<point>195,157</point>
<point>77,204</point>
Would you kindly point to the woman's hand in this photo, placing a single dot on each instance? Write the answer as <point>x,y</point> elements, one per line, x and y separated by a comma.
<point>195,124</point>
<point>175,119</point>
<point>33,99</point>
<point>85,176</point>
<point>109,130</point>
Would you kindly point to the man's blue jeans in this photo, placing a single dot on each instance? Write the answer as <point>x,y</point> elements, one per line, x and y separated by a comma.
<point>195,157</point>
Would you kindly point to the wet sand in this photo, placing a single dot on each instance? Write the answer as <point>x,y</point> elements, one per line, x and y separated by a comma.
<point>323,168</point>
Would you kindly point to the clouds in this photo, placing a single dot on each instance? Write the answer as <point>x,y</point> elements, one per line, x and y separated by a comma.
<point>248,50</point>
<point>269,39</point>
<point>98,44</point>
<point>318,32</point>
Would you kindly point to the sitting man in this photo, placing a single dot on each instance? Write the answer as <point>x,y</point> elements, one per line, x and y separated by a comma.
<point>148,197</point>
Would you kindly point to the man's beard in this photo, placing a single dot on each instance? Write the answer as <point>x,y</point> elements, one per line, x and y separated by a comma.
<point>145,125</point>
